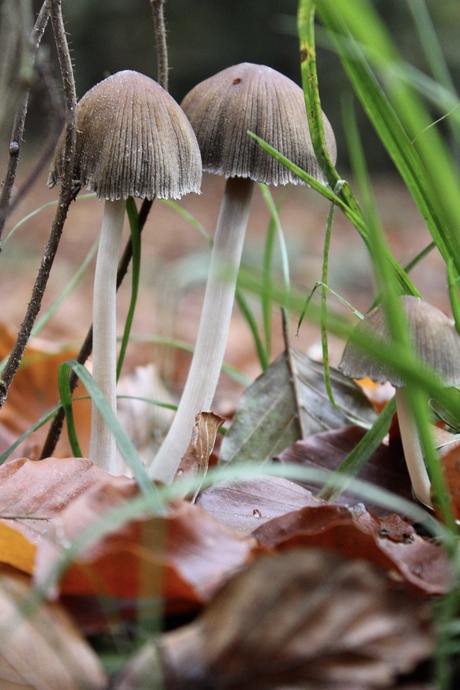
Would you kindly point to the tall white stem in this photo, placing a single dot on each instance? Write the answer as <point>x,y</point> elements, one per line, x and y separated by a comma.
<point>213,329</point>
<point>412,450</point>
<point>103,450</point>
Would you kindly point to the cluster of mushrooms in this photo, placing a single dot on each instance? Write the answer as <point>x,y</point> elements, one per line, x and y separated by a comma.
<point>134,140</point>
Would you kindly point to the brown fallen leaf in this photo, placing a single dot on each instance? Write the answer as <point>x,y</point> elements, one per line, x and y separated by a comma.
<point>197,456</point>
<point>306,618</point>
<point>391,544</point>
<point>385,468</point>
<point>246,504</point>
<point>40,647</point>
<point>33,393</point>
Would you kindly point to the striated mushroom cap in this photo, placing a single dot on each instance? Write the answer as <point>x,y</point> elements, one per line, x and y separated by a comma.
<point>133,139</point>
<point>432,333</point>
<point>255,98</point>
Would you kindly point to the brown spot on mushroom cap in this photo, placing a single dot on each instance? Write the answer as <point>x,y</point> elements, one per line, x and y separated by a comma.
<point>133,139</point>
<point>256,98</point>
<point>432,333</point>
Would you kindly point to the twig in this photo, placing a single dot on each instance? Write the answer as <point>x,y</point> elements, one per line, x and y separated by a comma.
<point>65,198</point>
<point>160,40</point>
<point>19,121</point>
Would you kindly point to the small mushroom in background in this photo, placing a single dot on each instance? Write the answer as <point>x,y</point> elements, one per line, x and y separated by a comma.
<point>133,139</point>
<point>222,109</point>
<point>437,343</point>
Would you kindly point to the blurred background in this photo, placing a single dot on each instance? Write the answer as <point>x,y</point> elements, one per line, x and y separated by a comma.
<point>205,36</point>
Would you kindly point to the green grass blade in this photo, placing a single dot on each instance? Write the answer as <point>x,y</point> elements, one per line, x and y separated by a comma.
<point>43,420</point>
<point>133,217</point>
<point>253,327</point>
<point>66,402</point>
<point>124,444</point>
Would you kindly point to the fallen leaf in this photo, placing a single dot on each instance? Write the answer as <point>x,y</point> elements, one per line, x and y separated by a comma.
<point>40,647</point>
<point>145,421</point>
<point>385,468</point>
<point>306,618</point>
<point>246,504</point>
<point>289,402</point>
<point>196,459</point>
<point>391,544</point>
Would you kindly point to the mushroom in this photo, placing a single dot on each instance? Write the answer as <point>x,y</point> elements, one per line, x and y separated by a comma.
<point>436,342</point>
<point>222,109</point>
<point>133,139</point>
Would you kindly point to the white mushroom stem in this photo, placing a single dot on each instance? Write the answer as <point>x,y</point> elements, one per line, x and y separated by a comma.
<point>213,329</point>
<point>103,451</point>
<point>412,450</point>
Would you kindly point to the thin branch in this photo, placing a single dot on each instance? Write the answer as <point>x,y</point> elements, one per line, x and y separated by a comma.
<point>20,119</point>
<point>65,198</point>
<point>161,44</point>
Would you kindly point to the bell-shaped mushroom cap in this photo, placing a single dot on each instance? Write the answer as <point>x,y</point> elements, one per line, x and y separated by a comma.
<point>255,98</point>
<point>133,139</point>
<point>432,334</point>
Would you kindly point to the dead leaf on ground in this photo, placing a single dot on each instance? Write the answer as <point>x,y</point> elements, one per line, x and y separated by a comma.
<point>246,504</point>
<point>40,647</point>
<point>289,402</point>
<point>33,393</point>
<point>306,617</point>
<point>197,456</point>
<point>391,544</point>
<point>385,468</point>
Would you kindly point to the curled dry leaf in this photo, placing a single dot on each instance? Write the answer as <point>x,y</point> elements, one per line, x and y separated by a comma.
<point>40,648</point>
<point>306,617</point>
<point>197,456</point>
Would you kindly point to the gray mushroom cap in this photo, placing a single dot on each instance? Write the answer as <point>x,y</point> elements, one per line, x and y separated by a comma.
<point>133,139</point>
<point>256,98</point>
<point>432,333</point>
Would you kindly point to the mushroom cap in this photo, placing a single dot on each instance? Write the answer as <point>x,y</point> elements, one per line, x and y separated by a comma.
<point>432,334</point>
<point>256,98</point>
<point>133,139</point>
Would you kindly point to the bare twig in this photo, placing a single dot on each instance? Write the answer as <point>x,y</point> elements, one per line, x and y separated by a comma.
<point>19,120</point>
<point>65,197</point>
<point>161,44</point>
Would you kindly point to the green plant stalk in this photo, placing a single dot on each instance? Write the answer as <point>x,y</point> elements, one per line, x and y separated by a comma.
<point>355,461</point>
<point>452,280</point>
<point>133,217</point>
<point>324,281</point>
<point>252,324</point>
<point>356,219</point>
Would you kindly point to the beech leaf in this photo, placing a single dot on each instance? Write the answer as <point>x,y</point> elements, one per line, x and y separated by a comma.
<point>40,647</point>
<point>288,402</point>
<point>307,618</point>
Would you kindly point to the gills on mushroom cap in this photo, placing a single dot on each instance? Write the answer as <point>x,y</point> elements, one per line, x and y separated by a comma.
<point>133,139</point>
<point>255,98</point>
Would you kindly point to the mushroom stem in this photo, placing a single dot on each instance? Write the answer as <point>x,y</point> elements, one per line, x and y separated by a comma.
<point>103,450</point>
<point>412,450</point>
<point>213,329</point>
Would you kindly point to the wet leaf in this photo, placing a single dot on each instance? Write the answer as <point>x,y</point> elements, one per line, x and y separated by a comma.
<point>289,402</point>
<point>245,505</point>
<point>306,618</point>
<point>40,648</point>
<point>391,544</point>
